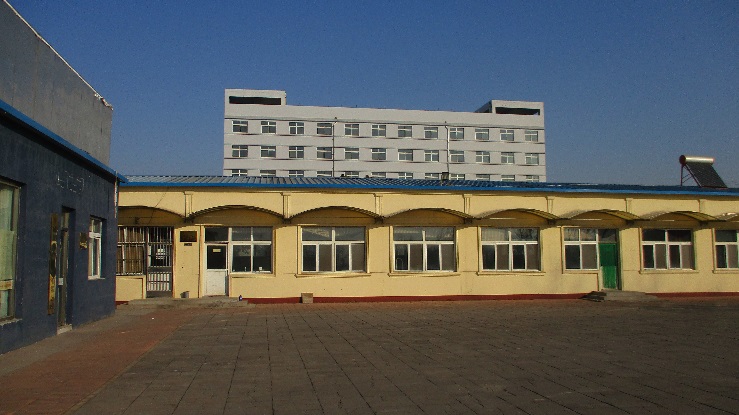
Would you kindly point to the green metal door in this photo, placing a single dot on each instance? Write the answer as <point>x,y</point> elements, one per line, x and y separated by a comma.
<point>609,264</point>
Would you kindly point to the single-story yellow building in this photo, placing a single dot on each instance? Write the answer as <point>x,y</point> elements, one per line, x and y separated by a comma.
<point>340,239</point>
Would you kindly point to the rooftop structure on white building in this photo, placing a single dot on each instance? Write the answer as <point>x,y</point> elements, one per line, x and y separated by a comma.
<point>263,136</point>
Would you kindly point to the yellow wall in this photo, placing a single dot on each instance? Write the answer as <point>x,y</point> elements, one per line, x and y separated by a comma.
<point>379,211</point>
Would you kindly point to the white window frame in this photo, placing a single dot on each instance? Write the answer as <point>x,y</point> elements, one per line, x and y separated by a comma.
<point>296,152</point>
<point>431,155</point>
<point>484,177</point>
<point>482,157</point>
<point>252,243</point>
<point>405,175</point>
<point>324,153</point>
<point>427,244</point>
<point>267,173</point>
<point>239,172</point>
<point>432,176</point>
<point>507,157</point>
<point>482,134</point>
<point>405,154</point>
<point>456,133</point>
<point>266,152</point>
<point>580,240</point>
<point>379,154</point>
<point>405,131</point>
<point>95,248</point>
<point>378,175</point>
<point>507,245</point>
<point>379,130</point>
<point>239,150</point>
<point>532,159</point>
<point>269,127</point>
<point>531,178</point>
<point>431,132</point>
<point>456,156</point>
<point>353,246</point>
<point>324,173</point>
<point>297,128</point>
<point>507,135</point>
<point>296,173</point>
<point>532,136</point>
<point>351,153</point>
<point>456,176</point>
<point>240,126</point>
<point>507,177</point>
<point>350,174</point>
<point>351,130</point>
<point>9,205</point>
<point>654,247</point>
<point>324,128</point>
<point>727,250</point>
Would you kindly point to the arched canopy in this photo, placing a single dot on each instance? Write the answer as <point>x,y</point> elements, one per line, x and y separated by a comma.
<point>729,217</point>
<point>698,216</point>
<point>349,208</point>
<point>234,207</point>
<point>442,210</point>
<point>535,212</point>
<point>612,212</point>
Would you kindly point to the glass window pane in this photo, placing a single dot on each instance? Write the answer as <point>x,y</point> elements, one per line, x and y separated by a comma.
<point>324,258</point>
<point>316,233</point>
<point>262,258</point>
<point>653,234</point>
<point>401,257</point>
<point>416,257</point>
<point>494,234</point>
<point>439,234</point>
<point>488,257</point>
<point>241,234</point>
<point>590,256</point>
<point>216,234</point>
<point>357,257</point>
<point>262,233</point>
<point>524,234</point>
<point>721,256</point>
<point>309,257</point>
<point>342,257</point>
<point>519,257</point>
<point>433,262</point>
<point>648,254</point>
<point>572,256</point>
<point>588,234</point>
<point>726,236</point>
<point>241,258</point>
<point>675,256</point>
<point>686,252</point>
<point>733,256</point>
<point>678,235</point>
<point>215,257</point>
<point>660,256</point>
<point>502,254</point>
<point>532,256</point>
<point>407,233</point>
<point>572,234</point>
<point>608,235</point>
<point>354,233</point>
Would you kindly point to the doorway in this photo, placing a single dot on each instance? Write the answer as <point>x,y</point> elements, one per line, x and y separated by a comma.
<point>608,253</point>
<point>63,281</point>
<point>216,269</point>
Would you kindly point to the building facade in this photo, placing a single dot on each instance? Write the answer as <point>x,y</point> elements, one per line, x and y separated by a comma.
<point>263,136</point>
<point>338,239</point>
<point>57,195</point>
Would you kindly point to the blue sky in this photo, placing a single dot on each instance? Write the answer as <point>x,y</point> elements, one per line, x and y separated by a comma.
<point>627,86</point>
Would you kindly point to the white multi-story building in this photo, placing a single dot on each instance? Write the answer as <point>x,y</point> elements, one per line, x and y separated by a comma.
<point>263,136</point>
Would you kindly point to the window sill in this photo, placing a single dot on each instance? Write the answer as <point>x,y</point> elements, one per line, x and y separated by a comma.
<point>89,278</point>
<point>580,271</point>
<point>669,271</point>
<point>9,321</point>
<point>432,274</point>
<point>251,275</point>
<point>510,273</point>
<point>333,275</point>
<point>726,271</point>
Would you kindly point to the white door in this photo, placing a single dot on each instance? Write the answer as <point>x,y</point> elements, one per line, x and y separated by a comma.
<point>216,270</point>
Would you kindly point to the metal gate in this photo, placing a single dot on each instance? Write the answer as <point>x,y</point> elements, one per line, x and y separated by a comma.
<point>147,250</point>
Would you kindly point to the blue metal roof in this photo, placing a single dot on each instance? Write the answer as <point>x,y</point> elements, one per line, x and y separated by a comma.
<point>417,185</point>
<point>58,140</point>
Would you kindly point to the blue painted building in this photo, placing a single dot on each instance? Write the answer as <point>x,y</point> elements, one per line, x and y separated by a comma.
<point>57,194</point>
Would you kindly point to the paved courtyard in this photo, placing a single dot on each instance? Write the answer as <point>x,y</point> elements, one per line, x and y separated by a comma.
<point>486,357</point>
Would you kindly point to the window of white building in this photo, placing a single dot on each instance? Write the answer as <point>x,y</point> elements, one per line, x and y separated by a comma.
<point>351,153</point>
<point>456,133</point>
<point>482,134</point>
<point>431,155</point>
<point>324,153</point>
<point>507,178</point>
<point>531,178</point>
<point>379,130</point>
<point>482,157</point>
<point>506,135</point>
<point>324,173</point>
<point>239,172</point>
<point>532,159</point>
<point>297,128</point>
<point>268,152</point>
<point>333,249</point>
<point>422,249</point>
<point>482,177</point>
<point>379,175</point>
<point>667,249</point>
<point>351,174</point>
<point>531,136</point>
<point>456,156</point>
<point>405,155</point>
<point>510,249</point>
<point>379,154</point>
<point>325,128</point>
<point>456,176</point>
<point>296,152</point>
<point>240,126</point>
<point>296,173</point>
<point>267,173</point>
<point>239,150</point>
<point>727,248</point>
<point>405,131</point>
<point>351,130</point>
<point>269,127</point>
<point>507,158</point>
<point>431,132</point>
<point>432,176</point>
<point>405,175</point>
